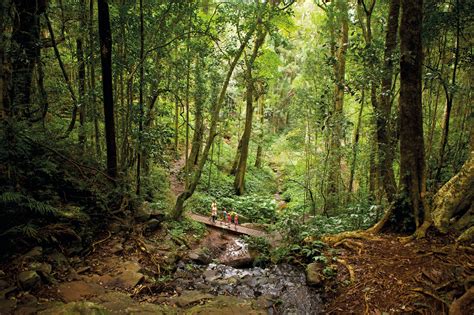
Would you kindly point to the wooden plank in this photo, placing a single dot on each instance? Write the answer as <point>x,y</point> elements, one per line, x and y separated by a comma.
<point>221,225</point>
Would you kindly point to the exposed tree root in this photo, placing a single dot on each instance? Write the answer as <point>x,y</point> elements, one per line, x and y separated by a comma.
<point>349,268</point>
<point>458,305</point>
<point>428,293</point>
<point>336,238</point>
<point>100,241</point>
<point>352,245</point>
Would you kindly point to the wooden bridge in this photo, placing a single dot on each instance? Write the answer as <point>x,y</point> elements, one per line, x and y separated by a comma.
<point>232,228</point>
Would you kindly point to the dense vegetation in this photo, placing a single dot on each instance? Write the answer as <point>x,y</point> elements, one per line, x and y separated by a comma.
<point>313,117</point>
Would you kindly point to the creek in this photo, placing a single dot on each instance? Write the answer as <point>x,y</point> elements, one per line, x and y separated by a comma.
<point>283,286</point>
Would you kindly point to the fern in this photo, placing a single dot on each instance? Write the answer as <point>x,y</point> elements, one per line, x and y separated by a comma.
<point>30,203</point>
<point>11,197</point>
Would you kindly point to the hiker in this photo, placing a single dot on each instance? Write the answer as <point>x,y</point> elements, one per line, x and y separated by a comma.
<point>214,211</point>
<point>224,216</point>
<point>236,220</point>
<point>229,218</point>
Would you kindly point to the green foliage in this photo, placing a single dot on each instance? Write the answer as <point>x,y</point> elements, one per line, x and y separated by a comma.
<point>186,227</point>
<point>41,187</point>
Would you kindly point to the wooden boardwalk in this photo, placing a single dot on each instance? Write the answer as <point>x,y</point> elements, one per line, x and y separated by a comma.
<point>220,225</point>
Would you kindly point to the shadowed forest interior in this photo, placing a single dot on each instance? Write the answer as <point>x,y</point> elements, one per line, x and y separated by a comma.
<point>240,156</point>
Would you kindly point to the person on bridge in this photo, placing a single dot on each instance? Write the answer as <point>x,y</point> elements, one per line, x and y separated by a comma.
<point>229,219</point>
<point>224,216</point>
<point>236,220</point>
<point>214,211</point>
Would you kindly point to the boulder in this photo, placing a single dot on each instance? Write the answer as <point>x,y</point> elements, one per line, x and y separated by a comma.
<point>200,256</point>
<point>77,290</point>
<point>29,279</point>
<point>314,275</point>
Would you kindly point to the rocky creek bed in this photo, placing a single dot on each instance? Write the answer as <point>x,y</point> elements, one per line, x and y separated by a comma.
<point>216,276</point>
<point>282,287</point>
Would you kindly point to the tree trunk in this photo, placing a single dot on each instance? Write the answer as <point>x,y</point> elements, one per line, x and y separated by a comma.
<point>449,103</point>
<point>82,91</point>
<point>412,157</point>
<point>140,121</point>
<point>4,73</point>
<point>105,37</point>
<point>261,107</point>
<point>24,53</point>
<point>355,146</point>
<point>334,180</point>
<point>179,206</point>
<point>239,182</point>
<point>455,197</point>
<point>93,102</point>
<point>199,98</point>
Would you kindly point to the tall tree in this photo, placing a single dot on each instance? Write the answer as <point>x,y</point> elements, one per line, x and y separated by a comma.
<point>412,155</point>
<point>24,53</point>
<point>105,38</point>
<point>239,181</point>
<point>341,28</point>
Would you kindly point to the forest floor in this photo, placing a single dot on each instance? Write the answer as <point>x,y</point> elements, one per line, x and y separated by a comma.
<point>424,276</point>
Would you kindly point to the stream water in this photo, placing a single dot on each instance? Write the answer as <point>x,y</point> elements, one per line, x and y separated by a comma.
<point>283,285</point>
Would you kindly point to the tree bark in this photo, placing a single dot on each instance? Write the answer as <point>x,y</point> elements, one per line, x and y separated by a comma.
<point>24,54</point>
<point>385,144</point>
<point>455,197</point>
<point>412,157</point>
<point>334,180</point>
<point>259,155</point>
<point>140,120</point>
<point>199,97</point>
<point>4,73</point>
<point>105,37</point>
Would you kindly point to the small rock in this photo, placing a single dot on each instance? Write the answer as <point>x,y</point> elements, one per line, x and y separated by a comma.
<point>35,252</point>
<point>59,260</point>
<point>152,225</point>
<point>2,274</point>
<point>313,275</point>
<point>27,299</point>
<point>190,297</point>
<point>29,279</point>
<point>42,268</point>
<point>116,248</point>
<point>211,275</point>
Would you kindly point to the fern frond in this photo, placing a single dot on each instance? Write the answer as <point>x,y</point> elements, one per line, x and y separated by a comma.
<point>11,196</point>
